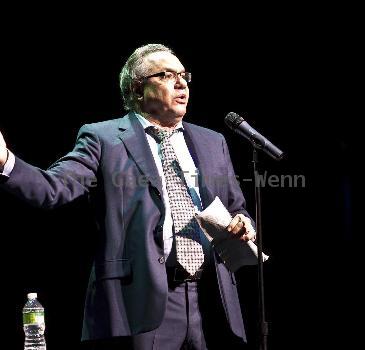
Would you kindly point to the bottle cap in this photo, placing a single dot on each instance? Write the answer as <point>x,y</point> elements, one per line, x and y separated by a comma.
<point>32,295</point>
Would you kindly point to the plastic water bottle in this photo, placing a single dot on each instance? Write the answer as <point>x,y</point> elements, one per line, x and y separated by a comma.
<point>33,324</point>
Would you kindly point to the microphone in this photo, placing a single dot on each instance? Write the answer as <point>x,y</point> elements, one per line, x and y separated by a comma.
<point>241,127</point>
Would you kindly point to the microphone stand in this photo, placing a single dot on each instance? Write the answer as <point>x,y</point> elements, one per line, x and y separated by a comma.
<point>263,326</point>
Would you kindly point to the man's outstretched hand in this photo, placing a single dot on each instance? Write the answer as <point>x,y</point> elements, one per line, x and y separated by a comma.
<point>3,150</point>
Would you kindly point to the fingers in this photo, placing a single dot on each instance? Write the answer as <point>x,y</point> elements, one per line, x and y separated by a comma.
<point>3,150</point>
<point>235,221</point>
<point>250,235</point>
<point>242,227</point>
<point>2,141</point>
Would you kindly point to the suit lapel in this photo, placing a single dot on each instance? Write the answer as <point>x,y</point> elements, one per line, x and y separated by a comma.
<point>198,147</point>
<point>135,140</point>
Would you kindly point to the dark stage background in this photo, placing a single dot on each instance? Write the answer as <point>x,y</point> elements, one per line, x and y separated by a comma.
<point>291,75</point>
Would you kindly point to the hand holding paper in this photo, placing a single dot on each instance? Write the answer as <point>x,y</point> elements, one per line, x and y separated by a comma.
<point>234,253</point>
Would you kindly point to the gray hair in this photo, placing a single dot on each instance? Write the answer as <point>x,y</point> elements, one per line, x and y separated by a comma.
<point>134,69</point>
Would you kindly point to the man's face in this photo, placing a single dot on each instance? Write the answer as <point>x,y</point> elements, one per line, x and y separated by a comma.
<point>164,98</point>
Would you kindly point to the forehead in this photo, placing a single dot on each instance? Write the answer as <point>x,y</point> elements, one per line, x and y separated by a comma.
<point>163,60</point>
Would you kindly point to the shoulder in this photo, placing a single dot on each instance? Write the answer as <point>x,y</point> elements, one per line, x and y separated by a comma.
<point>100,130</point>
<point>204,132</point>
<point>103,126</point>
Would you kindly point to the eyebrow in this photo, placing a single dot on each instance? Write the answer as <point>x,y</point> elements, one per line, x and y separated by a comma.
<point>172,70</point>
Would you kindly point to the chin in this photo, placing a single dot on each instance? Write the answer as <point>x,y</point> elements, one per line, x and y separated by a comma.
<point>180,111</point>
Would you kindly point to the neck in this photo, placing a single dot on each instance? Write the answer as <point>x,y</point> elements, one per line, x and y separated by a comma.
<point>165,124</point>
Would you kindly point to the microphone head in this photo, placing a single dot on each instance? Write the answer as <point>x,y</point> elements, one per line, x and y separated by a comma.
<point>232,120</point>
<point>241,127</point>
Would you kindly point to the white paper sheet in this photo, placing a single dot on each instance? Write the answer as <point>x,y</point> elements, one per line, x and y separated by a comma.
<point>234,253</point>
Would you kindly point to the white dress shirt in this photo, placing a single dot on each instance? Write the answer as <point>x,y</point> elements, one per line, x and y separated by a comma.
<point>9,165</point>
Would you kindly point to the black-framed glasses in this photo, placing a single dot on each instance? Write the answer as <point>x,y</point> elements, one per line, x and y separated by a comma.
<point>171,76</point>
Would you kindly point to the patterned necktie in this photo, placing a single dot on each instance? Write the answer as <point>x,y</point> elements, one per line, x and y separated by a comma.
<point>189,251</point>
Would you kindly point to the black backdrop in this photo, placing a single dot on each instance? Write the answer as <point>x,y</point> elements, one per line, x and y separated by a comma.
<point>292,77</point>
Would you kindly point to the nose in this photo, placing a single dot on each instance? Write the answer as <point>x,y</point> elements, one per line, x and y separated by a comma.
<point>180,82</point>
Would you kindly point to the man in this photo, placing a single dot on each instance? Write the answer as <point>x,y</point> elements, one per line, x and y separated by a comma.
<point>156,282</point>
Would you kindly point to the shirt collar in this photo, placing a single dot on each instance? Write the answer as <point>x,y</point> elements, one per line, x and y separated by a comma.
<point>146,123</point>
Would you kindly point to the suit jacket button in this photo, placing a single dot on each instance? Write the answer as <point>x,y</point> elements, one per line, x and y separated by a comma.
<point>161,259</point>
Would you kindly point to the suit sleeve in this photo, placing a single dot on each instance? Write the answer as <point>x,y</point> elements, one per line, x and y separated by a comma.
<point>64,181</point>
<point>236,199</point>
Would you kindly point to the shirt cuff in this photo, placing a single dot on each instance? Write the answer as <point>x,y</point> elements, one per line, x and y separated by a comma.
<point>9,165</point>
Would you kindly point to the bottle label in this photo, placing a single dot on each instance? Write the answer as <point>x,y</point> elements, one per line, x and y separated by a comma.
<point>33,317</point>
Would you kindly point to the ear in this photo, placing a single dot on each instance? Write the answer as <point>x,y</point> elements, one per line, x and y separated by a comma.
<point>138,89</point>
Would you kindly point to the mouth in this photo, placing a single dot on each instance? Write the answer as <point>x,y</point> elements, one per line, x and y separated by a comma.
<point>181,98</point>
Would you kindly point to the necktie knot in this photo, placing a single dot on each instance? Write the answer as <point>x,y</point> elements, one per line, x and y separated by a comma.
<point>161,134</point>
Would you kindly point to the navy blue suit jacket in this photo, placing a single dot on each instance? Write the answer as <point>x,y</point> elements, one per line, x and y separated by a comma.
<point>113,164</point>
